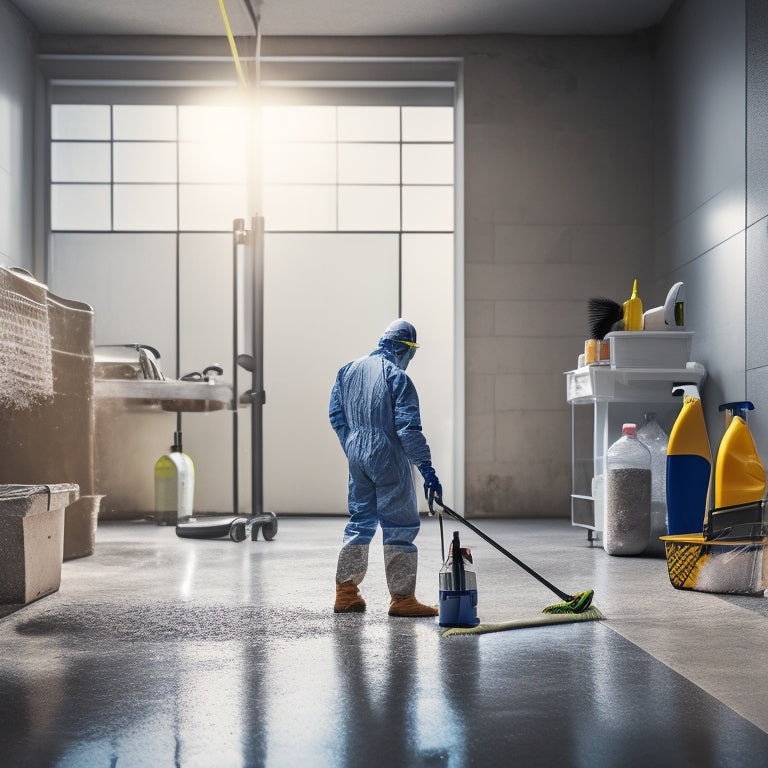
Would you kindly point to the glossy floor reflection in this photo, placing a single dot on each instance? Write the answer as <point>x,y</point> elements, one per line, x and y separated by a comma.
<point>159,651</point>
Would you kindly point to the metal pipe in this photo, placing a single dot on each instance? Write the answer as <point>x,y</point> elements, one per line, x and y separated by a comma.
<point>238,236</point>
<point>258,396</point>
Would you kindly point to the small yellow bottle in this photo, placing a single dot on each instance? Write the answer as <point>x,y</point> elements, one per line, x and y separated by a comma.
<point>633,311</point>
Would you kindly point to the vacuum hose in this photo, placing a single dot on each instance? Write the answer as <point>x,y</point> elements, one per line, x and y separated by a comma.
<point>457,564</point>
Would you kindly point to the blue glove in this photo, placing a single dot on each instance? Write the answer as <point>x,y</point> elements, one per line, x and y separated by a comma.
<point>432,487</point>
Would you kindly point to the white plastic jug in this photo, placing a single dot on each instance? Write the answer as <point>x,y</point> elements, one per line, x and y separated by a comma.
<point>174,485</point>
<point>627,495</point>
<point>655,439</point>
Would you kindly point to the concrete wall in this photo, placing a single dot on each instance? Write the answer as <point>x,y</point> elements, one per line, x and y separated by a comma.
<point>559,174</point>
<point>700,192</point>
<point>18,43</point>
<point>757,221</point>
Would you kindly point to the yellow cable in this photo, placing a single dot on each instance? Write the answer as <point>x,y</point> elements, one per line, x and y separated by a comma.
<point>232,44</point>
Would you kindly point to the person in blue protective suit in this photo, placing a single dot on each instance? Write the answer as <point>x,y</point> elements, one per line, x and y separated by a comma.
<point>374,411</point>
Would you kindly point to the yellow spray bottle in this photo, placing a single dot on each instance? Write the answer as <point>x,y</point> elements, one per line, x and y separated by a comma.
<point>739,473</point>
<point>633,311</point>
<point>689,467</point>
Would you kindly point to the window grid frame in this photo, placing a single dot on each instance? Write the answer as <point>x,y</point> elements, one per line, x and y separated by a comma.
<point>177,142</point>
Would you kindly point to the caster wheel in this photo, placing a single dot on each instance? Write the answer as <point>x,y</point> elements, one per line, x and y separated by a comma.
<point>237,531</point>
<point>270,529</point>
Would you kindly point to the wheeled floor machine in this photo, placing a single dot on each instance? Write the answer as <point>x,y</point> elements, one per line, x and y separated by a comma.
<point>240,527</point>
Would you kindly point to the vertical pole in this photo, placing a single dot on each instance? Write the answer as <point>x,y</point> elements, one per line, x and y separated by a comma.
<point>258,397</point>
<point>238,234</point>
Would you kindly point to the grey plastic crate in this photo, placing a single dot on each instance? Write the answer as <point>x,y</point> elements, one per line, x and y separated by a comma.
<point>32,539</point>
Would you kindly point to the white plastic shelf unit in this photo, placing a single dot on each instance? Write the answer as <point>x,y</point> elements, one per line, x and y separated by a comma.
<point>617,395</point>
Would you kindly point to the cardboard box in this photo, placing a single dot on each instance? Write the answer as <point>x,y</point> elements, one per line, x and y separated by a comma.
<point>32,539</point>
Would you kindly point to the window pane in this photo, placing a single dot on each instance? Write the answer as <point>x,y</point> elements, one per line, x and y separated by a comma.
<point>211,207</point>
<point>299,124</point>
<point>369,163</point>
<point>300,163</point>
<point>369,124</point>
<point>296,208</point>
<point>427,123</point>
<point>225,125</point>
<point>211,162</point>
<point>80,161</point>
<point>325,304</point>
<point>108,271</point>
<point>428,209</point>
<point>145,161</point>
<point>427,259</point>
<point>139,122</point>
<point>145,207</point>
<point>80,206</point>
<point>80,121</point>
<point>370,209</point>
<point>427,163</point>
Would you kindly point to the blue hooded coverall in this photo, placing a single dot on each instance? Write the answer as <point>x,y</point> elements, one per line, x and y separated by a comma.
<point>374,410</point>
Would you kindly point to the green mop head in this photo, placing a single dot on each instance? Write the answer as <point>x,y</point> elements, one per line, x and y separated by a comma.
<point>591,614</point>
<point>579,603</point>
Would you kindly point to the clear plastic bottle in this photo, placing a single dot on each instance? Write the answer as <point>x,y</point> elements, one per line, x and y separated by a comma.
<point>174,485</point>
<point>627,495</point>
<point>655,439</point>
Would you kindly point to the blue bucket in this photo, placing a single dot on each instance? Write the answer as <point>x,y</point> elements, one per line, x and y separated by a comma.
<point>458,608</point>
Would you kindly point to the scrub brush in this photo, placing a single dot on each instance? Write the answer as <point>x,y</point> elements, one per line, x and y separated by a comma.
<point>579,603</point>
<point>605,315</point>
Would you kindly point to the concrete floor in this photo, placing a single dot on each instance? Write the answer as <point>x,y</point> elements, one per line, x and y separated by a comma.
<point>159,651</point>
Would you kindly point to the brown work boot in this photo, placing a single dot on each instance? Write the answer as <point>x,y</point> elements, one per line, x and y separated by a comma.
<point>410,606</point>
<point>348,599</point>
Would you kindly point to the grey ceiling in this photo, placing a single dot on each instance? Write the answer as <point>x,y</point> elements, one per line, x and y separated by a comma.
<point>343,17</point>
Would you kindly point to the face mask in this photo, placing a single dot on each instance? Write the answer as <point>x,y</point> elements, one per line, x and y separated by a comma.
<point>405,356</point>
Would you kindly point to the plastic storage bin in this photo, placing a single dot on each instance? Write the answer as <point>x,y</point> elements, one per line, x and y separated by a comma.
<point>80,523</point>
<point>32,539</point>
<point>650,349</point>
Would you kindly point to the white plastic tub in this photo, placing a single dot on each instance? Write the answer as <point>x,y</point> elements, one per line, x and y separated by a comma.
<point>650,349</point>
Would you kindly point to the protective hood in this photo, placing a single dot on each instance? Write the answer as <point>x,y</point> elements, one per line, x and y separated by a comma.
<point>400,339</point>
<point>396,351</point>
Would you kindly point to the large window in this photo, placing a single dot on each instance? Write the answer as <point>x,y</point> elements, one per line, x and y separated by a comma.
<point>174,168</point>
<point>358,203</point>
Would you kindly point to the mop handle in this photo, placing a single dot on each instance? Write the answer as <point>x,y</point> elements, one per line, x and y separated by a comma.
<point>528,569</point>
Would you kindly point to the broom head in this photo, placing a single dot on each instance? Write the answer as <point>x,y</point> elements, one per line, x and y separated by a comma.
<point>605,315</point>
